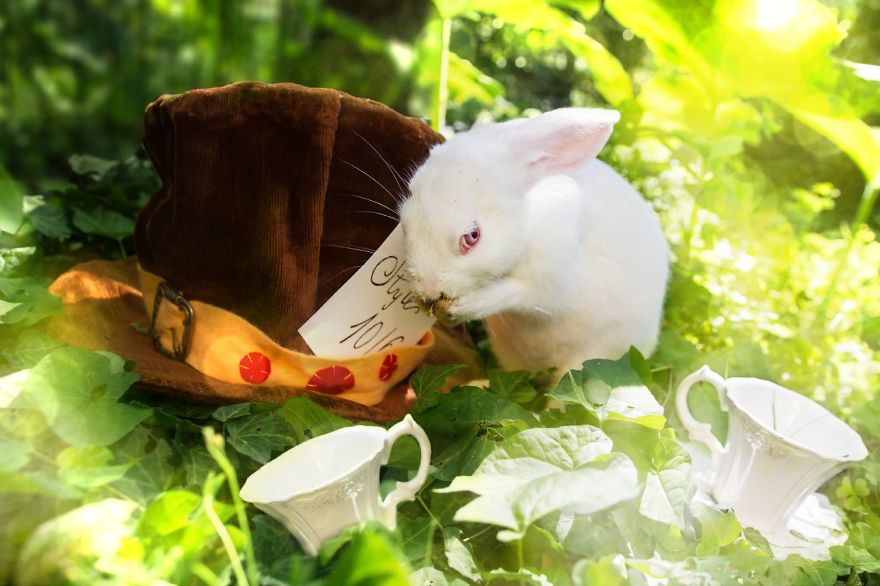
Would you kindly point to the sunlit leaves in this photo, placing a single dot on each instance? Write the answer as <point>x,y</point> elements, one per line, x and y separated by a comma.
<point>611,390</point>
<point>540,471</point>
<point>78,392</point>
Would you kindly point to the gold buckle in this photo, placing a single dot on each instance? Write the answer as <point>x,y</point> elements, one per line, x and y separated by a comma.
<point>180,351</point>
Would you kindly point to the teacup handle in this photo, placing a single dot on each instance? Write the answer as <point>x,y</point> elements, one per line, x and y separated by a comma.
<point>699,431</point>
<point>405,491</point>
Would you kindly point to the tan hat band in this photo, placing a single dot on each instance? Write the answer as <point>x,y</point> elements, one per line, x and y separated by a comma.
<point>222,345</point>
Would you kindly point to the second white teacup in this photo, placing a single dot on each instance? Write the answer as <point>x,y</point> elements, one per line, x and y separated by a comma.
<point>331,482</point>
<point>781,446</point>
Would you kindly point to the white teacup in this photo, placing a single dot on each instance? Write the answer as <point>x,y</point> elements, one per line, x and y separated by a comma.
<point>781,446</point>
<point>331,482</point>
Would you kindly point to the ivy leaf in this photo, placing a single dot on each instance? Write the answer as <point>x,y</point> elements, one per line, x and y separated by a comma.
<point>27,303</point>
<point>458,555</point>
<point>717,528</point>
<point>418,538</point>
<point>543,470</point>
<point>308,419</point>
<point>30,347</point>
<point>78,392</point>
<point>258,436</point>
<point>88,467</point>
<point>427,382</point>
<point>227,412</point>
<point>611,389</point>
<point>50,221</point>
<point>669,486</point>
<point>516,386</point>
<point>169,512</point>
<point>103,222</point>
<point>458,412</point>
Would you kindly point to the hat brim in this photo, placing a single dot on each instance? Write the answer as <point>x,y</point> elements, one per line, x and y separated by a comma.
<point>104,310</point>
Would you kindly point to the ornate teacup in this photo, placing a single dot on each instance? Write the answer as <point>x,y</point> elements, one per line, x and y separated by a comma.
<point>781,446</point>
<point>331,482</point>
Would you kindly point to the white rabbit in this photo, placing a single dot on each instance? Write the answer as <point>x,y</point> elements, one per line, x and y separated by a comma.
<point>517,223</point>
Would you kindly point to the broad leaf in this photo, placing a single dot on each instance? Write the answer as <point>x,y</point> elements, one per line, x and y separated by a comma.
<point>228,412</point>
<point>308,419</point>
<point>258,436</point>
<point>543,470</point>
<point>669,486</point>
<point>103,222</point>
<point>89,467</point>
<point>50,221</point>
<point>427,382</point>
<point>611,389</point>
<point>78,392</point>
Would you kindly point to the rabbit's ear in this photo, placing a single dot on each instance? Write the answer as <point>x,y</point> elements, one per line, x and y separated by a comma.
<point>562,140</point>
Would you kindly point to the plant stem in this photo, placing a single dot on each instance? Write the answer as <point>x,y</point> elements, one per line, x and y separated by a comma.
<point>214,444</point>
<point>439,120</point>
<point>869,198</point>
<point>519,556</point>
<point>225,538</point>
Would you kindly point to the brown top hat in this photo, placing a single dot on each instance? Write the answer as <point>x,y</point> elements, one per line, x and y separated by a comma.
<point>272,196</point>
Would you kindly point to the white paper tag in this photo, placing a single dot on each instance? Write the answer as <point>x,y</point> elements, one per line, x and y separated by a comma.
<point>374,310</point>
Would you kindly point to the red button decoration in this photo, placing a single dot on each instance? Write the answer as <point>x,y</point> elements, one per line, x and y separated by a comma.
<point>389,365</point>
<point>331,380</point>
<point>255,367</point>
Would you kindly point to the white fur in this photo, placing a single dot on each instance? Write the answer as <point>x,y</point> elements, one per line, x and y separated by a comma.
<point>571,264</point>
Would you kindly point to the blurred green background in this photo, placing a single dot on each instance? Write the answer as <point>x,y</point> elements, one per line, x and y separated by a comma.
<point>76,75</point>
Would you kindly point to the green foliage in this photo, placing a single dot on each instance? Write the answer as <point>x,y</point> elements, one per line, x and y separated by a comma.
<point>747,125</point>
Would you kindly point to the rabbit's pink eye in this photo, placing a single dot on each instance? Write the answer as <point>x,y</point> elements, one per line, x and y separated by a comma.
<point>468,240</point>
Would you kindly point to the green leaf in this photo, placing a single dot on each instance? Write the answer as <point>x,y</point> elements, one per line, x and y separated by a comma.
<point>93,167</point>
<point>669,486</point>
<point>275,550</point>
<point>14,455</point>
<point>611,389</point>
<point>28,302</point>
<point>30,347</point>
<point>13,258</point>
<point>11,196</point>
<point>418,538</point>
<point>308,419</point>
<point>540,471</point>
<point>228,412</point>
<point>258,436</point>
<point>88,467</point>
<point>433,577</point>
<point>169,512</point>
<point>717,528</point>
<point>516,386</point>
<point>370,559</point>
<point>103,222</point>
<point>606,571</point>
<point>427,382</point>
<point>50,221</point>
<point>458,412</point>
<point>78,392</point>
<point>458,555</point>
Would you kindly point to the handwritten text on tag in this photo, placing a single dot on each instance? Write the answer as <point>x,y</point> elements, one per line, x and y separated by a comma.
<point>374,310</point>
